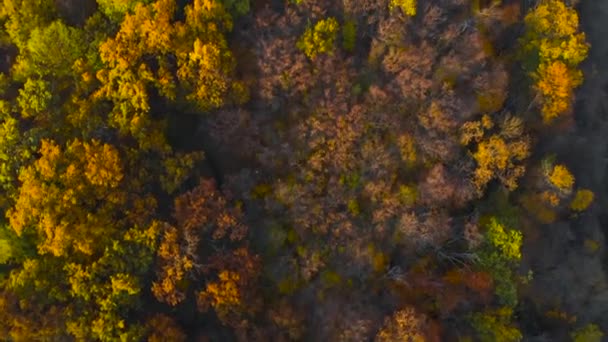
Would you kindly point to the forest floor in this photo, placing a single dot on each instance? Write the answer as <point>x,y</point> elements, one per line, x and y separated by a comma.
<point>570,258</point>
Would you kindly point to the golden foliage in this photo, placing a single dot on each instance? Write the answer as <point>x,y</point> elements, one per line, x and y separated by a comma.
<point>69,196</point>
<point>553,38</point>
<point>222,293</point>
<point>499,155</point>
<point>556,84</point>
<point>407,6</point>
<point>496,157</point>
<point>552,30</point>
<point>561,178</point>
<point>175,267</point>
<point>403,325</point>
<point>407,147</point>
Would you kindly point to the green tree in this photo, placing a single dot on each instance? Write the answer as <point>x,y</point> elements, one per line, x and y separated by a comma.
<point>50,51</point>
<point>21,17</point>
<point>34,98</point>
<point>496,326</point>
<point>588,333</point>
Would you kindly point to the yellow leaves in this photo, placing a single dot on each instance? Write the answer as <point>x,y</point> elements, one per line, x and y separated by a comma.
<point>407,6</point>
<point>407,147</point>
<point>123,282</point>
<point>471,132</point>
<point>553,30</point>
<point>561,178</point>
<point>59,195</point>
<point>203,58</point>
<point>582,200</point>
<point>493,156</point>
<point>205,73</point>
<point>319,39</point>
<point>46,166</point>
<point>508,241</point>
<point>556,83</point>
<point>497,155</point>
<point>103,167</point>
<point>552,37</point>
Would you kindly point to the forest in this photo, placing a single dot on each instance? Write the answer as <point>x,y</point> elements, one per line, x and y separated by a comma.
<point>303,170</point>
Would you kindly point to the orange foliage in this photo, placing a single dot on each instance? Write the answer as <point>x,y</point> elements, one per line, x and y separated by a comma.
<point>174,268</point>
<point>69,196</point>
<point>556,84</point>
<point>561,178</point>
<point>403,325</point>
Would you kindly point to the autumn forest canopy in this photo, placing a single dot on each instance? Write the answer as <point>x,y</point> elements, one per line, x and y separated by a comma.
<point>284,170</point>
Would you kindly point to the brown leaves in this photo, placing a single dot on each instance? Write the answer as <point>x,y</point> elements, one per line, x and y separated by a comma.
<point>205,220</point>
<point>205,210</point>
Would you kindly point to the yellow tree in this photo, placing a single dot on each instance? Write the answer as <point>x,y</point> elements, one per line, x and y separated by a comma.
<point>204,62</point>
<point>553,47</point>
<point>68,197</point>
<point>500,155</point>
<point>555,85</point>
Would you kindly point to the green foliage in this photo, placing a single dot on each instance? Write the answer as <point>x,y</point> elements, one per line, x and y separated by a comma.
<point>503,274</point>
<point>21,17</point>
<point>16,150</point>
<point>51,50</point>
<point>34,98</point>
<point>353,207</point>
<point>319,39</point>
<point>496,326</point>
<point>116,9</point>
<point>349,35</point>
<point>588,333</point>
<point>499,257</point>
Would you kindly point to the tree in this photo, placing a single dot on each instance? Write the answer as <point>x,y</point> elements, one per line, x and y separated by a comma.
<point>204,217</point>
<point>23,16</point>
<point>552,49</point>
<point>68,197</point>
<point>34,99</point>
<point>403,325</point>
<point>164,328</point>
<point>51,51</point>
<point>495,325</point>
<point>555,85</point>
<point>117,9</point>
<point>582,200</point>
<point>561,178</point>
<point>588,333</point>
<point>319,39</point>
<point>407,6</point>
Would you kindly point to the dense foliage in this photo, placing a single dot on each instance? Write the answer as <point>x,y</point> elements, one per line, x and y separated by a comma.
<point>217,170</point>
